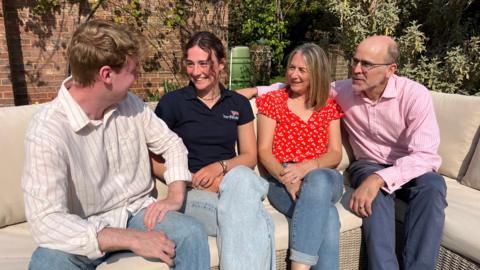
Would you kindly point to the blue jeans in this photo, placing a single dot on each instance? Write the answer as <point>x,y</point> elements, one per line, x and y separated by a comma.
<point>315,225</point>
<point>244,229</point>
<point>423,223</point>
<point>188,234</point>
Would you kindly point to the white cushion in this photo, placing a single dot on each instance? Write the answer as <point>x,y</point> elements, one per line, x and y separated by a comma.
<point>458,118</point>
<point>14,121</point>
<point>462,222</point>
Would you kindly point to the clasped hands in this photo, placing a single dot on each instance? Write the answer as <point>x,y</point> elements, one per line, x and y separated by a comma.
<point>291,176</point>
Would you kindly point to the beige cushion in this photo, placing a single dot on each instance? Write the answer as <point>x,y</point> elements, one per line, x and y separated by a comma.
<point>462,222</point>
<point>458,118</point>
<point>14,121</point>
<point>472,177</point>
<point>16,247</point>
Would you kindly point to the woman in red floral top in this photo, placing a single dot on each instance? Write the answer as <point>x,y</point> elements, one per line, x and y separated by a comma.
<point>299,144</point>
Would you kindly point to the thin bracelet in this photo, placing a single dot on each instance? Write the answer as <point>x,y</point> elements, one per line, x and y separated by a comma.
<point>224,166</point>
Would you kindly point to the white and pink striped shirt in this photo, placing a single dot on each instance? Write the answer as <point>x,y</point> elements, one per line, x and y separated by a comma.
<point>399,129</point>
<point>82,175</point>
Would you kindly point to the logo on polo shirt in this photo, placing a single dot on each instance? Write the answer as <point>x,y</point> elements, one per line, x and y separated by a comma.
<point>232,116</point>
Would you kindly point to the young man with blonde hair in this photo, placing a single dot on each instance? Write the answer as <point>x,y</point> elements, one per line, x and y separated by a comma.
<point>87,179</point>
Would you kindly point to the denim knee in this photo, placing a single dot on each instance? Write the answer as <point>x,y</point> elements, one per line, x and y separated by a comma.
<point>432,183</point>
<point>243,179</point>
<point>322,183</point>
<point>52,259</point>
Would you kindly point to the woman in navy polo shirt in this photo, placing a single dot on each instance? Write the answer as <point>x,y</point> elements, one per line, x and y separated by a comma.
<point>225,195</point>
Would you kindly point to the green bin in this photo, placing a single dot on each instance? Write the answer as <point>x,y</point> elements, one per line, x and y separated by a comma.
<point>240,68</point>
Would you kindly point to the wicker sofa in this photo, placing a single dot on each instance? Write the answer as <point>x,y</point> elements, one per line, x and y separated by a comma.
<point>459,119</point>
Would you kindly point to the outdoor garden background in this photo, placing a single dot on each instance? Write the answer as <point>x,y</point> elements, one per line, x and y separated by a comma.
<point>439,40</point>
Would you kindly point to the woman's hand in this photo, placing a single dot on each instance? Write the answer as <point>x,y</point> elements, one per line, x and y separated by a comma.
<point>292,188</point>
<point>207,175</point>
<point>295,172</point>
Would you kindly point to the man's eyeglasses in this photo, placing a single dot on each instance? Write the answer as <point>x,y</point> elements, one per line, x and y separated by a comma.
<point>366,65</point>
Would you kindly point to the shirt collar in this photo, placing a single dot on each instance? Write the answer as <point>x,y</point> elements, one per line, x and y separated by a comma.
<point>390,89</point>
<point>77,118</point>
<point>191,93</point>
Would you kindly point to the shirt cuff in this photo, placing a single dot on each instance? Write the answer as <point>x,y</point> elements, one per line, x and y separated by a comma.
<point>391,177</point>
<point>93,251</point>
<point>261,90</point>
<point>177,174</point>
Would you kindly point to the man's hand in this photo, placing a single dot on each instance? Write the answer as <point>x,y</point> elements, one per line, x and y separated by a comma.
<point>206,176</point>
<point>148,244</point>
<point>363,196</point>
<point>156,211</point>
<point>153,244</point>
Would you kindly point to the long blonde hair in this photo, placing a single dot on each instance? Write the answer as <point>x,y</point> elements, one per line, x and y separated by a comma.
<point>318,67</point>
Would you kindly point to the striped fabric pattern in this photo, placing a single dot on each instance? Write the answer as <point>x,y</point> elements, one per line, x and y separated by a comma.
<point>82,175</point>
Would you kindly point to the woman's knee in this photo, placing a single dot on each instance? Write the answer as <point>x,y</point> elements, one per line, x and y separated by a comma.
<point>243,179</point>
<point>322,182</point>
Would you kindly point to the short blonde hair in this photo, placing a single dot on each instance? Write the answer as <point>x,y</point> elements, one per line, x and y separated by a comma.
<point>100,43</point>
<point>318,68</point>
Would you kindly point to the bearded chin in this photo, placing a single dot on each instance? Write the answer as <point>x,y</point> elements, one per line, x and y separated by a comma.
<point>356,89</point>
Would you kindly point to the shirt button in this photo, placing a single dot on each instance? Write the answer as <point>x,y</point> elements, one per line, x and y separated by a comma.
<point>393,184</point>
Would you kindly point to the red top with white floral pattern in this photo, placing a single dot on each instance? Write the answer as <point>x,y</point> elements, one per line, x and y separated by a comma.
<point>295,140</point>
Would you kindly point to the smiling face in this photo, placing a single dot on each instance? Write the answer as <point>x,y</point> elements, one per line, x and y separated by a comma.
<point>298,76</point>
<point>374,80</point>
<point>123,79</point>
<point>203,68</point>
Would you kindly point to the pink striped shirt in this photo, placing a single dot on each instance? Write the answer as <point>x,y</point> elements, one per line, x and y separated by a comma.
<point>399,129</point>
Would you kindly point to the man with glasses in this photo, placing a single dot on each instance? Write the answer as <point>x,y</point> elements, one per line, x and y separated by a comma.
<point>392,129</point>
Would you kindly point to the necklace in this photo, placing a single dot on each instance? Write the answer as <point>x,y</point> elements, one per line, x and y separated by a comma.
<point>210,98</point>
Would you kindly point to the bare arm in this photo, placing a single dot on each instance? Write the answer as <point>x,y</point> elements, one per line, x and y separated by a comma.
<point>266,129</point>
<point>210,176</point>
<point>330,159</point>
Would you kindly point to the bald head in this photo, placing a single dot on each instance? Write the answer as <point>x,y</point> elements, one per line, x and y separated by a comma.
<point>383,46</point>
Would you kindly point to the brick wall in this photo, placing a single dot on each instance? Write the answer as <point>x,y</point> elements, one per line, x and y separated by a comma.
<point>32,47</point>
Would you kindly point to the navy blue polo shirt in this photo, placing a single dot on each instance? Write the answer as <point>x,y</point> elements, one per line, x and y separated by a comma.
<point>209,134</point>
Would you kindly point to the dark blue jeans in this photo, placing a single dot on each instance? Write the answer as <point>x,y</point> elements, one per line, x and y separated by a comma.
<point>423,222</point>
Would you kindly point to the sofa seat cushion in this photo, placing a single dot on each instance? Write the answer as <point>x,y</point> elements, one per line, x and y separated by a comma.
<point>17,246</point>
<point>461,232</point>
<point>462,222</point>
<point>18,256</point>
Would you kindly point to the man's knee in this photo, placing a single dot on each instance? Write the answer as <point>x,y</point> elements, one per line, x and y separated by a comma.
<point>51,259</point>
<point>184,227</point>
<point>432,183</point>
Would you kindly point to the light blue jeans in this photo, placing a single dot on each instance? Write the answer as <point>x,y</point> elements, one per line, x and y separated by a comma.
<point>188,234</point>
<point>315,225</point>
<point>244,229</point>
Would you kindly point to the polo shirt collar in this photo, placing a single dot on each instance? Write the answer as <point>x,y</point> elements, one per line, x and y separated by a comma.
<point>191,93</point>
